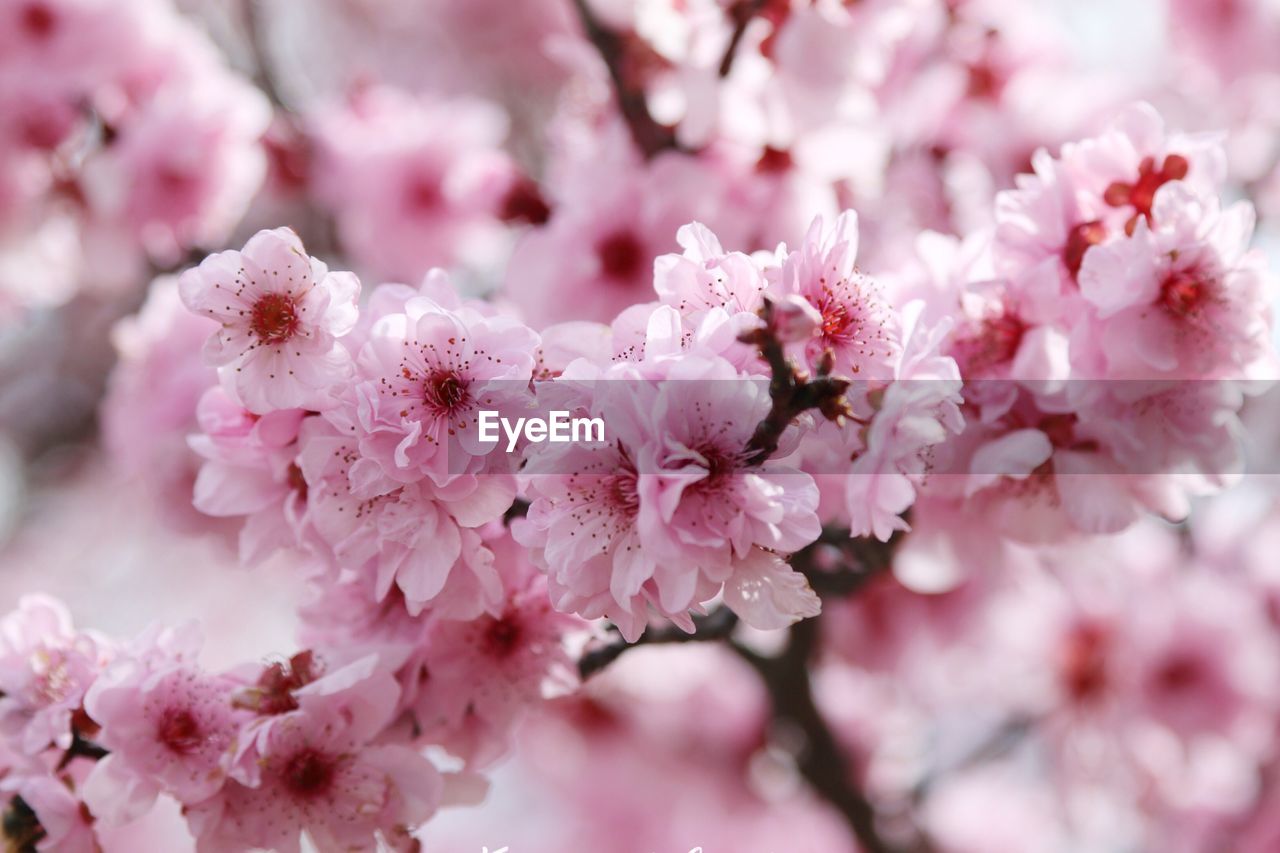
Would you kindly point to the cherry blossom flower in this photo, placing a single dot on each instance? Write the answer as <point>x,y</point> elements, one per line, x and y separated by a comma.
<point>423,376</point>
<point>414,182</point>
<point>858,326</point>
<point>281,313</point>
<point>316,771</point>
<point>170,727</point>
<point>45,668</point>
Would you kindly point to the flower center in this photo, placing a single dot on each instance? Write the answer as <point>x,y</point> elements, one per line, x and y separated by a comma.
<point>445,391</point>
<point>774,161</point>
<point>622,491</point>
<point>524,203</point>
<point>1183,293</point>
<point>620,256</point>
<point>1084,663</point>
<point>993,343</point>
<point>423,194</point>
<point>1141,194</point>
<point>501,637</point>
<point>274,318</point>
<point>1079,240</point>
<point>1179,674</point>
<point>308,773</point>
<point>38,20</point>
<point>179,731</point>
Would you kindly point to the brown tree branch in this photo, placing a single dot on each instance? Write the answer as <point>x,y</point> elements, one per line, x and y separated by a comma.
<point>650,136</point>
<point>716,625</point>
<point>820,759</point>
<point>741,12</point>
<point>790,389</point>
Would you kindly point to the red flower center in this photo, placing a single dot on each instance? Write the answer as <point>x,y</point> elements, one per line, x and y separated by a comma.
<point>1141,194</point>
<point>774,161</point>
<point>38,20</point>
<point>179,731</point>
<point>993,343</point>
<point>524,203</point>
<point>1179,673</point>
<point>274,318</point>
<point>1084,663</point>
<point>445,391</point>
<point>1183,293</point>
<point>502,637</point>
<point>1079,240</point>
<point>308,773</point>
<point>423,194</point>
<point>620,256</point>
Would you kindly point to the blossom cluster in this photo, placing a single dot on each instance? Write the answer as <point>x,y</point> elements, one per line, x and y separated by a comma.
<point>911,378</point>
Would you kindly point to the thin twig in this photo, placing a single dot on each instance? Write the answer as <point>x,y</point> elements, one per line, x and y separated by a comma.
<point>650,136</point>
<point>716,625</point>
<point>791,391</point>
<point>81,747</point>
<point>861,560</point>
<point>742,12</point>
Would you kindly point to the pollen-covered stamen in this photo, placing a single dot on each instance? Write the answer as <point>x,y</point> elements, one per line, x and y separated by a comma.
<point>274,318</point>
<point>621,256</point>
<point>621,491</point>
<point>1079,240</point>
<point>53,680</point>
<point>848,318</point>
<point>309,773</point>
<point>444,391</point>
<point>179,730</point>
<point>1141,194</point>
<point>1183,293</point>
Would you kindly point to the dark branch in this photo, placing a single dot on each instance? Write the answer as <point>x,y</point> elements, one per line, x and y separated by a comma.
<point>820,758</point>
<point>716,625</point>
<point>519,509</point>
<point>791,391</point>
<point>741,12</point>
<point>650,137</point>
<point>81,747</point>
<point>839,565</point>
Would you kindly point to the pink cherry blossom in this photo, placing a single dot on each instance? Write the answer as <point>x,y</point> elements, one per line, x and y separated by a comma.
<point>858,326</point>
<point>674,508</point>
<point>422,377</point>
<point>250,470</point>
<point>417,537</point>
<point>170,727</point>
<point>317,771</point>
<point>45,668</point>
<point>281,313</point>
<point>414,182</point>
